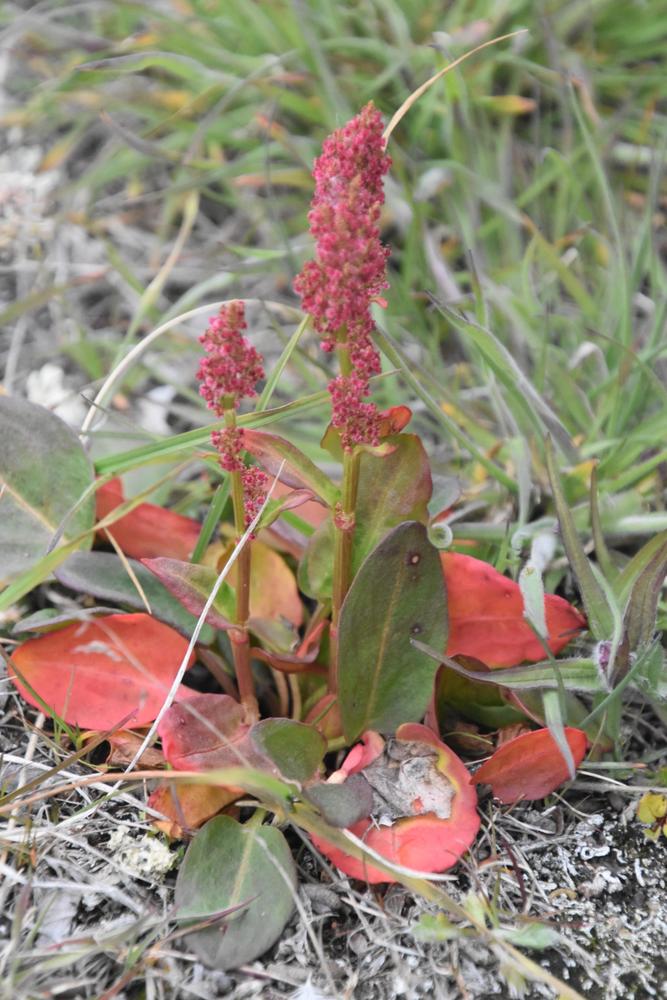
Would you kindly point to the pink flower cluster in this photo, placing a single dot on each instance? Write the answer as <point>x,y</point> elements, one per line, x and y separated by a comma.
<point>232,367</point>
<point>349,270</point>
<point>229,371</point>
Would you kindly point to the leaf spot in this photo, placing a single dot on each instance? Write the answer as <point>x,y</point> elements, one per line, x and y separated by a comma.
<point>413,558</point>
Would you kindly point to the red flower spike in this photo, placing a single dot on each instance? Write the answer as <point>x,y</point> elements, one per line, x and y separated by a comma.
<point>445,804</point>
<point>349,270</point>
<point>232,367</point>
<point>148,530</point>
<point>486,619</point>
<point>530,766</point>
<point>358,422</point>
<point>255,487</point>
<point>94,674</point>
<point>228,442</point>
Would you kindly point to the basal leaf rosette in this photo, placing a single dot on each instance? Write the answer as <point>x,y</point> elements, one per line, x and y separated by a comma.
<point>424,814</point>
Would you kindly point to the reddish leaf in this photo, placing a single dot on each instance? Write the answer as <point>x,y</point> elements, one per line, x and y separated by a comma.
<point>188,806</point>
<point>393,420</point>
<point>205,733</point>
<point>191,585</point>
<point>444,820</point>
<point>364,753</point>
<point>209,731</point>
<point>530,766</point>
<point>486,615</point>
<point>280,457</point>
<point>93,674</point>
<point>148,530</point>
<point>312,511</point>
<point>123,745</point>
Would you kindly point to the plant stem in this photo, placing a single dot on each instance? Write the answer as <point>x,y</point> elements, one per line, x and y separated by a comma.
<point>343,528</point>
<point>239,638</point>
<point>343,539</point>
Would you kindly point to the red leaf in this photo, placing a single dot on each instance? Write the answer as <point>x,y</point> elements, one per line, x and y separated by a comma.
<point>424,842</point>
<point>93,674</point>
<point>530,766</point>
<point>486,615</point>
<point>201,736</point>
<point>148,530</point>
<point>393,420</point>
<point>206,732</point>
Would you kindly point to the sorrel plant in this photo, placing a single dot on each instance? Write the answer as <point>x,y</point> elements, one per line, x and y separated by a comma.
<point>422,639</point>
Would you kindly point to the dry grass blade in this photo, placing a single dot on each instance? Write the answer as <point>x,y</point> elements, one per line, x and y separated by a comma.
<point>416,94</point>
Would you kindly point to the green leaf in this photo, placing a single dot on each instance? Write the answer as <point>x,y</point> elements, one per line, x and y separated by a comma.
<point>276,508</point>
<point>437,927</point>
<point>299,472</point>
<point>602,553</point>
<point>577,674</point>
<point>103,575</point>
<point>632,570</point>
<point>553,716</point>
<point>651,673</point>
<point>296,749</point>
<point>227,866</point>
<point>315,573</point>
<point>191,585</point>
<point>49,619</point>
<point>397,595</point>
<point>642,608</point>
<point>473,700</point>
<point>532,591</point>
<point>345,804</point>
<point>392,489</point>
<point>533,935</point>
<point>598,611</point>
<point>44,473</point>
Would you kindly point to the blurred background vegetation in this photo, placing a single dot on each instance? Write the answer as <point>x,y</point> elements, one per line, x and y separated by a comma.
<point>157,157</point>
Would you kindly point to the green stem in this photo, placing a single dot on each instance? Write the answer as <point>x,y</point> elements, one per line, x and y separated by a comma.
<point>344,530</point>
<point>239,638</point>
<point>343,527</point>
<point>343,540</point>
